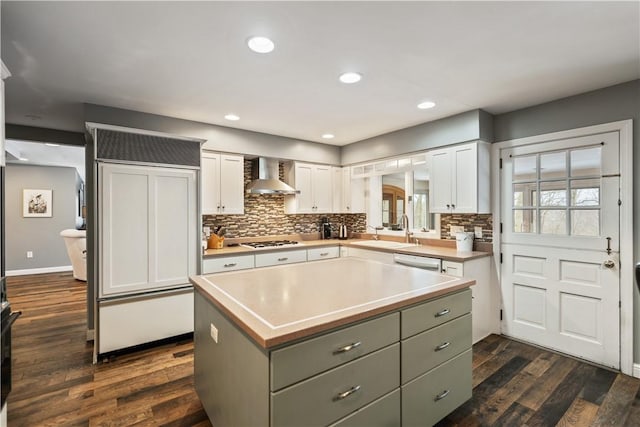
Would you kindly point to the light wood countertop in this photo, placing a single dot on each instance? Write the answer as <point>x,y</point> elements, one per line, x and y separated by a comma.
<point>276,305</point>
<point>436,251</point>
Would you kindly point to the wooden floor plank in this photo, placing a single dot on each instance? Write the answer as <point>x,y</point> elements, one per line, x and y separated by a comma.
<point>55,382</point>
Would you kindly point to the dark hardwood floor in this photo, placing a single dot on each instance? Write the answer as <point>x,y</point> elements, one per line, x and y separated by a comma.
<point>55,383</point>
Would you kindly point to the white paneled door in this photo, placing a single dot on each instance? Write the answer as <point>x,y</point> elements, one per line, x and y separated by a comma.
<point>560,246</point>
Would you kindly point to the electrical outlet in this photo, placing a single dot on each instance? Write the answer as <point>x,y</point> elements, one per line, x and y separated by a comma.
<point>214,333</point>
<point>29,254</point>
<point>478,232</point>
<point>453,229</point>
<point>207,231</point>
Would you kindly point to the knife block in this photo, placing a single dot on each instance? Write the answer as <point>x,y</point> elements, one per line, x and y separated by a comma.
<point>215,242</point>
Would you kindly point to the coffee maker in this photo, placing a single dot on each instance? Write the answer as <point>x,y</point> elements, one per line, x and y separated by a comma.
<point>325,228</point>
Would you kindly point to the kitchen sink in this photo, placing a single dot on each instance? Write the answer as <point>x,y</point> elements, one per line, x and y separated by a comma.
<point>383,244</point>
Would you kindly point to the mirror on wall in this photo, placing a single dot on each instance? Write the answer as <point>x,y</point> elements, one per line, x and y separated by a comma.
<point>393,200</point>
<point>423,219</point>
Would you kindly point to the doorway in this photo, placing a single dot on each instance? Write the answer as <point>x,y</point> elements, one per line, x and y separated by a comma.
<point>565,268</point>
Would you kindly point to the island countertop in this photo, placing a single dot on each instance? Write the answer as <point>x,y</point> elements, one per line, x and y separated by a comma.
<point>280,304</point>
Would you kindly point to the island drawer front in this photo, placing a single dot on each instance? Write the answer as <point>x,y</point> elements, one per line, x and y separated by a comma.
<point>227,263</point>
<point>316,254</point>
<point>331,395</point>
<point>433,313</point>
<point>425,351</point>
<point>432,396</point>
<point>384,412</point>
<point>280,257</point>
<point>305,359</point>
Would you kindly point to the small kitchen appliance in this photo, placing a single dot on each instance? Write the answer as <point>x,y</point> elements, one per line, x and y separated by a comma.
<point>325,228</point>
<point>343,233</point>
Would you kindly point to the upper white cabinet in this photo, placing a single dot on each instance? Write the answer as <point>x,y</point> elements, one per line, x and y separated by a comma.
<point>315,185</point>
<point>348,193</point>
<point>459,180</point>
<point>222,183</point>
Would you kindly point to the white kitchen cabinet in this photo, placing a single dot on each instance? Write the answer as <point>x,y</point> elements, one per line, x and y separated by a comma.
<point>227,263</point>
<point>281,257</point>
<point>316,254</point>
<point>222,184</point>
<point>485,309</point>
<point>148,228</point>
<point>315,185</point>
<point>459,180</point>
<point>384,257</point>
<point>348,193</point>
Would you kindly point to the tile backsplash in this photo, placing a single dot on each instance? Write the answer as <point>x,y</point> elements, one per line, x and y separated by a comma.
<point>264,216</point>
<point>469,222</point>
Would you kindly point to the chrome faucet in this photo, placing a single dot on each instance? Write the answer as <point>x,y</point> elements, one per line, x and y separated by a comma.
<point>375,237</point>
<point>404,220</point>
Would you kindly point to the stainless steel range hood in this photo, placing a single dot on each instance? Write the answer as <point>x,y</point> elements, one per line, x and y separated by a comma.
<point>265,174</point>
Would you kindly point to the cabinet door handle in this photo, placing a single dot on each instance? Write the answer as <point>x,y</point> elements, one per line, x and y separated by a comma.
<point>452,206</point>
<point>443,312</point>
<point>348,347</point>
<point>222,207</point>
<point>448,206</point>
<point>347,393</point>
<point>231,264</point>
<point>442,346</point>
<point>441,395</point>
<point>283,259</point>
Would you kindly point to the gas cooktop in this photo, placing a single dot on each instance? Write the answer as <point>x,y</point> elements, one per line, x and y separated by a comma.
<point>270,244</point>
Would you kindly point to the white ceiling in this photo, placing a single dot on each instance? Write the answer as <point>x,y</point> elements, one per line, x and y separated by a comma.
<point>37,153</point>
<point>189,60</point>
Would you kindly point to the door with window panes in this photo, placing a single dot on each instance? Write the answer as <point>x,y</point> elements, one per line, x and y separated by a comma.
<point>560,275</point>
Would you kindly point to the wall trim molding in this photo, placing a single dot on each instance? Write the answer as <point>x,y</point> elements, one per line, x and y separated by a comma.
<point>39,270</point>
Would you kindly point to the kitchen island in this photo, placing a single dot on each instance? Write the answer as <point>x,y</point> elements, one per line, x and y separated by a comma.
<point>343,342</point>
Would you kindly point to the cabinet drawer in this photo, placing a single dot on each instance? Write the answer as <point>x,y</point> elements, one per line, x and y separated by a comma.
<point>384,412</point>
<point>425,351</point>
<point>453,268</point>
<point>230,263</point>
<point>280,257</point>
<point>299,361</point>
<point>323,253</point>
<point>331,395</point>
<point>433,313</point>
<point>432,396</point>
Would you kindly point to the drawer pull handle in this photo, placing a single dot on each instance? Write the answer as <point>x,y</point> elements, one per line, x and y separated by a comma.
<point>443,312</point>
<point>231,264</point>
<point>347,393</point>
<point>283,259</point>
<point>348,347</point>
<point>441,395</point>
<point>324,254</point>
<point>443,346</point>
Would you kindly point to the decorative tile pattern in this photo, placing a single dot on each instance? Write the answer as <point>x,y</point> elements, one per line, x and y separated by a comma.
<point>469,222</point>
<point>264,216</point>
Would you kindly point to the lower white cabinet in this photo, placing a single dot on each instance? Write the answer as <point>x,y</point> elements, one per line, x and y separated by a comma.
<point>131,321</point>
<point>281,257</point>
<point>385,257</point>
<point>485,310</point>
<point>316,254</point>
<point>227,263</point>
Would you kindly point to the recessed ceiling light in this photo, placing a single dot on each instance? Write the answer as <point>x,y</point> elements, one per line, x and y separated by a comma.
<point>232,117</point>
<point>260,44</point>
<point>350,77</point>
<point>50,144</point>
<point>426,105</point>
<point>328,136</point>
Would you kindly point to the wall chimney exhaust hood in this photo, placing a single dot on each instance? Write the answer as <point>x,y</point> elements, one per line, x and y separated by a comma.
<point>265,174</point>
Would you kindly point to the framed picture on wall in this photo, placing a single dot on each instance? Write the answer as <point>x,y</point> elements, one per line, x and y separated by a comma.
<point>36,203</point>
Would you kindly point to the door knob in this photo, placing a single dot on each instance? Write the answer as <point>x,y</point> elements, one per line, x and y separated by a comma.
<point>609,264</point>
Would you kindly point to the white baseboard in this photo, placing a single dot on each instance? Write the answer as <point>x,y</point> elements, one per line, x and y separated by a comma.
<point>636,370</point>
<point>39,270</point>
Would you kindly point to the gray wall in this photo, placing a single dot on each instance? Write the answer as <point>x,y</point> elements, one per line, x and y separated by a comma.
<point>40,235</point>
<point>469,126</point>
<point>620,102</point>
<point>218,138</point>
